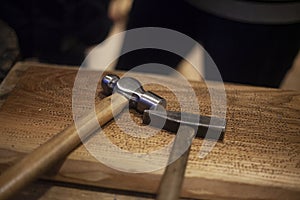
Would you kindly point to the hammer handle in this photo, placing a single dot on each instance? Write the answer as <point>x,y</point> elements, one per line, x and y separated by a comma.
<point>171,183</point>
<point>47,155</point>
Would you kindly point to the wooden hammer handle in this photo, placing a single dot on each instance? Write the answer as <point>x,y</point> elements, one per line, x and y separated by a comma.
<point>44,157</point>
<point>171,183</point>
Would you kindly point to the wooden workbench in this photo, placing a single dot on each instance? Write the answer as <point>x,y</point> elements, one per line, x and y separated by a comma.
<point>259,157</point>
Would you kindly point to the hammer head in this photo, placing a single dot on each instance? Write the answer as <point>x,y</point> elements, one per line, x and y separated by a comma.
<point>149,103</point>
<point>132,89</point>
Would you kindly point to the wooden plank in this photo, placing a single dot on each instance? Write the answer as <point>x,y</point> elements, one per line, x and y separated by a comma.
<point>52,190</point>
<point>45,190</point>
<point>259,157</point>
<point>14,75</point>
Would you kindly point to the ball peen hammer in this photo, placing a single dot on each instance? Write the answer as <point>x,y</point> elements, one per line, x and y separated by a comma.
<point>125,90</point>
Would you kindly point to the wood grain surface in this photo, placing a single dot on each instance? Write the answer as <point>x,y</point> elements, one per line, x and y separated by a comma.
<point>49,190</point>
<point>49,154</point>
<point>259,157</point>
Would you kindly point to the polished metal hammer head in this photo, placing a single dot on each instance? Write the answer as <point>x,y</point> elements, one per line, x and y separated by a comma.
<point>132,89</point>
<point>149,103</point>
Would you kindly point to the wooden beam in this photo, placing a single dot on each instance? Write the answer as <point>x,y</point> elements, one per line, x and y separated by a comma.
<point>259,157</point>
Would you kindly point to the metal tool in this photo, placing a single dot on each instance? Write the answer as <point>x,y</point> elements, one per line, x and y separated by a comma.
<point>173,120</point>
<point>125,90</point>
<point>132,89</point>
<point>151,106</point>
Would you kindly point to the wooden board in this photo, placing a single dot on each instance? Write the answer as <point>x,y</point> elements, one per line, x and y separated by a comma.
<point>259,157</point>
<point>49,190</point>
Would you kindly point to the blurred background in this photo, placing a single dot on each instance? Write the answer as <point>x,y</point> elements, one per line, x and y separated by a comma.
<point>252,42</point>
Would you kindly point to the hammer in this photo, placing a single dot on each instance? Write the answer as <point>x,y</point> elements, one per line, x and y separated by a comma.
<point>125,90</point>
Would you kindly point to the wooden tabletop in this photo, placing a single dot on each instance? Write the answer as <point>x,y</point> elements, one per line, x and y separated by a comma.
<point>259,157</point>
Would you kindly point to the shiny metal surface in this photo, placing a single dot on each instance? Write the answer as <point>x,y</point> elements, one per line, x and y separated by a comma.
<point>132,89</point>
<point>173,120</point>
